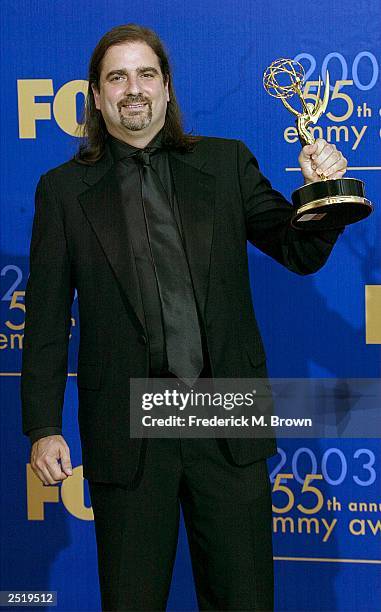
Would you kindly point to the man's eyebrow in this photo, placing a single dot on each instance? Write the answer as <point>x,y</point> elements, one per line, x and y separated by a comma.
<point>139,69</point>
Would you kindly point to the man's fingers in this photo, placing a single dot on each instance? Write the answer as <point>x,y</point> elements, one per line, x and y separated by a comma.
<point>336,162</point>
<point>312,155</point>
<point>67,468</point>
<point>43,474</point>
<point>49,471</point>
<point>332,156</point>
<point>317,151</point>
<point>320,145</point>
<point>50,459</point>
<point>65,461</point>
<point>335,170</point>
<point>54,471</point>
<point>39,474</point>
<point>321,160</point>
<point>328,161</point>
<point>308,150</point>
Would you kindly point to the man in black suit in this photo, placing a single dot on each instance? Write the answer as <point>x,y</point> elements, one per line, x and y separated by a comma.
<point>150,225</point>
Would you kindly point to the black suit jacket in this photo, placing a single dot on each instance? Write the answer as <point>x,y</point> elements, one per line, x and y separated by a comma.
<point>80,240</point>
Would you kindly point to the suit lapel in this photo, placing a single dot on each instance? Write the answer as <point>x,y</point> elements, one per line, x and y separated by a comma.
<point>104,209</point>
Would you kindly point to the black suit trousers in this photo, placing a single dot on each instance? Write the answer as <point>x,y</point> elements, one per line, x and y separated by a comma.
<point>227,513</point>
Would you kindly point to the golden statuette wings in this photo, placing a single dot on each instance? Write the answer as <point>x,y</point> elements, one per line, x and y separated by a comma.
<point>312,111</point>
<point>283,79</point>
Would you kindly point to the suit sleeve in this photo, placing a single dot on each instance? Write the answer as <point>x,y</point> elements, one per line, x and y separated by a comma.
<point>48,298</point>
<point>37,434</point>
<point>268,215</point>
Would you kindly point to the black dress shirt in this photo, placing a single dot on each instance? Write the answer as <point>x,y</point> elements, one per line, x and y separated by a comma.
<point>143,258</point>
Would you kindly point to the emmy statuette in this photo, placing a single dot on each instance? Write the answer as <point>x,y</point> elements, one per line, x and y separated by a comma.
<point>325,204</point>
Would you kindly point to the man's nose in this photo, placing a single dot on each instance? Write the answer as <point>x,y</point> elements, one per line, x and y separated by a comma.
<point>133,86</point>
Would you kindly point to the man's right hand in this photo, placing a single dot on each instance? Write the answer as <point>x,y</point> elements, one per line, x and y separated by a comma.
<point>50,459</point>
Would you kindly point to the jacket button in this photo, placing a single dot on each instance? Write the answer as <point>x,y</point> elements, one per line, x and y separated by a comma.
<point>142,339</point>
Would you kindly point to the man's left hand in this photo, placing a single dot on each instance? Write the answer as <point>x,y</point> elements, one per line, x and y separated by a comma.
<point>321,159</point>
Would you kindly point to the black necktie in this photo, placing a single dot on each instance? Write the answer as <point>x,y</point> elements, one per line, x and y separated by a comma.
<point>181,325</point>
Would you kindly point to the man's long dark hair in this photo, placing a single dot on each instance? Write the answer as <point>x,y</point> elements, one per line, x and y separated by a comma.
<point>93,130</point>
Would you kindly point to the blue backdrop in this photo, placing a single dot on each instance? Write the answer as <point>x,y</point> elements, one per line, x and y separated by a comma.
<point>316,326</point>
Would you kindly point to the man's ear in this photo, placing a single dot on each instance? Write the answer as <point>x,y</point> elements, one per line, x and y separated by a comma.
<point>167,89</point>
<point>96,96</point>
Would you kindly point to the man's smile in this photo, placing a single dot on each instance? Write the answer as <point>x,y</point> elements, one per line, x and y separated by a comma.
<point>137,106</point>
<point>134,105</point>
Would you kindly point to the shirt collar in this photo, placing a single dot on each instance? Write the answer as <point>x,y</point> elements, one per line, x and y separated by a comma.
<point>120,149</point>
